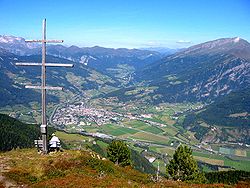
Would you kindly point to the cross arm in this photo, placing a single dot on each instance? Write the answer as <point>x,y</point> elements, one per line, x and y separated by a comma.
<point>46,87</point>
<point>47,64</point>
<point>47,41</point>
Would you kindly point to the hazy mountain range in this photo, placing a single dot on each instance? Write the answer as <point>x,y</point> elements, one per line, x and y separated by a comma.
<point>93,56</point>
<point>201,73</point>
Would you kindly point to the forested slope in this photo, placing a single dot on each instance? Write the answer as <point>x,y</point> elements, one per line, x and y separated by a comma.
<point>15,134</point>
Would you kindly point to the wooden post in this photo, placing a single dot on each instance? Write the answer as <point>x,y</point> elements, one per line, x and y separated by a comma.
<point>43,86</point>
<point>44,119</point>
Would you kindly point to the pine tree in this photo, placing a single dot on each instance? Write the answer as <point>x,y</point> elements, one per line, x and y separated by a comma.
<point>184,167</point>
<point>119,153</point>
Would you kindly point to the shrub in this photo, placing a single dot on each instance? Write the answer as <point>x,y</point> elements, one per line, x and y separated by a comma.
<point>100,166</point>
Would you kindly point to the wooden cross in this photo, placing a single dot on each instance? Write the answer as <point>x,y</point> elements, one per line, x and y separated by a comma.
<point>43,86</point>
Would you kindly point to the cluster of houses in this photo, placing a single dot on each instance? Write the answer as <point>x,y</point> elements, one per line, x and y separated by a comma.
<point>81,114</point>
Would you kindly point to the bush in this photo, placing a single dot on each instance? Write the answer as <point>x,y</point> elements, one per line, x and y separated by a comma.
<point>21,176</point>
<point>100,166</point>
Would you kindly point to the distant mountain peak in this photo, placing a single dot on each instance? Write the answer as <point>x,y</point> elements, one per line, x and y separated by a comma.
<point>220,42</point>
<point>235,46</point>
<point>11,39</point>
<point>16,45</point>
<point>237,39</point>
<point>74,46</point>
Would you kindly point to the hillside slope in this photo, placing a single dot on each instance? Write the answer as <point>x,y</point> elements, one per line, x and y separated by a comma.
<point>77,169</point>
<point>199,73</point>
<point>231,110</point>
<point>227,119</point>
<point>15,134</point>
<point>119,63</point>
<point>79,80</point>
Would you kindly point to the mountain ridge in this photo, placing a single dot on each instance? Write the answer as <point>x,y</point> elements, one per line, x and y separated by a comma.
<point>200,76</point>
<point>118,63</point>
<point>224,45</point>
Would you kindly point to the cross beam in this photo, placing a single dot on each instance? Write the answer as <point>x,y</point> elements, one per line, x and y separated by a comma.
<point>47,64</point>
<point>46,87</point>
<point>43,86</point>
<point>47,41</point>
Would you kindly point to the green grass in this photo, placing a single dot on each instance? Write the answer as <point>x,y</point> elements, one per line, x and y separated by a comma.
<point>212,156</point>
<point>153,148</point>
<point>248,153</point>
<point>210,160</point>
<point>135,123</point>
<point>70,137</point>
<point>73,141</point>
<point>149,137</point>
<point>138,149</point>
<point>102,144</point>
<point>180,136</point>
<point>163,150</point>
<point>227,151</point>
<point>170,130</point>
<point>238,165</point>
<point>156,119</point>
<point>117,131</point>
<point>144,126</point>
<point>92,129</point>
<point>153,129</point>
<point>215,147</point>
<point>161,165</point>
<point>123,130</point>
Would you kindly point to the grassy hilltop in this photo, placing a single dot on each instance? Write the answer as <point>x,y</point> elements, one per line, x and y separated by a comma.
<point>76,169</point>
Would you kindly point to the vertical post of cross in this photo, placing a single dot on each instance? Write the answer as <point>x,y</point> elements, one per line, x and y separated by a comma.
<point>44,131</point>
<point>43,86</point>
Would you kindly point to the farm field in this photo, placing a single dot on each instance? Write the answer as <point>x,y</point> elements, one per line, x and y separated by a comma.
<point>136,130</point>
<point>117,130</point>
<point>80,141</point>
<point>164,140</point>
<point>143,126</point>
<point>70,137</point>
<point>149,137</point>
<point>73,141</point>
<point>241,153</point>
<point>239,164</point>
<point>242,164</point>
<point>165,150</point>
<point>210,161</point>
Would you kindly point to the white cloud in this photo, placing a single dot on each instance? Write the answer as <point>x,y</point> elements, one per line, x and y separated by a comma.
<point>184,41</point>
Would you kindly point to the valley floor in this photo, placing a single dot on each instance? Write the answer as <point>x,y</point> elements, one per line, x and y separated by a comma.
<point>155,129</point>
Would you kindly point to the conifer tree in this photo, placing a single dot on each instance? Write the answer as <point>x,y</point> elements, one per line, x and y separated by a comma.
<point>119,153</point>
<point>184,167</point>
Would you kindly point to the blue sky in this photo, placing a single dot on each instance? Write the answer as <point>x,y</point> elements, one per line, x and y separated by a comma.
<point>127,23</point>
